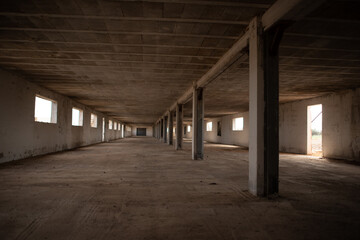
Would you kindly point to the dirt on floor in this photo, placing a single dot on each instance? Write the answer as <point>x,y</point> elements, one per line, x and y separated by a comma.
<point>139,188</point>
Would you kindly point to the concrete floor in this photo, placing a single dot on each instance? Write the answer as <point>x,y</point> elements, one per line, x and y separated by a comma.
<point>138,188</point>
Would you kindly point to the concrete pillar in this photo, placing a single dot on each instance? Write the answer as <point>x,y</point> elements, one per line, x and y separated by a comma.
<point>179,127</point>
<point>154,133</point>
<point>170,127</point>
<point>121,130</point>
<point>161,129</point>
<point>165,129</point>
<point>124,131</point>
<point>263,110</point>
<point>198,124</point>
<point>157,130</point>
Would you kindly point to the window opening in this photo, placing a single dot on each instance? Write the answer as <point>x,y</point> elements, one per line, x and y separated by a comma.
<point>45,110</point>
<point>238,124</point>
<point>77,117</point>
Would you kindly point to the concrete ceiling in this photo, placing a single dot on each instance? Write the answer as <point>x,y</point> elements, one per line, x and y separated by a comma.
<point>319,54</point>
<point>133,59</point>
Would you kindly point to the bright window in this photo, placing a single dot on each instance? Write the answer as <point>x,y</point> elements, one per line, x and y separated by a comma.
<point>238,124</point>
<point>115,125</point>
<point>93,121</point>
<point>188,128</point>
<point>45,110</point>
<point>119,126</point>
<point>77,117</point>
<point>110,124</point>
<point>209,126</point>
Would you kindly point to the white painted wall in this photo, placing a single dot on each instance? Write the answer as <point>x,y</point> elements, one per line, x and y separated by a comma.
<point>21,136</point>
<point>111,134</point>
<point>341,126</point>
<point>149,130</point>
<point>128,131</point>
<point>228,136</point>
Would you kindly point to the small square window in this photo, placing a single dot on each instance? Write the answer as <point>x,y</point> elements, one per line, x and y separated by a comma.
<point>209,126</point>
<point>45,110</point>
<point>93,121</point>
<point>77,117</point>
<point>238,124</point>
<point>110,124</point>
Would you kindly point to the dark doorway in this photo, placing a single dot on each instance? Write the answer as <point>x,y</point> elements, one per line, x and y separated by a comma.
<point>219,128</point>
<point>141,132</point>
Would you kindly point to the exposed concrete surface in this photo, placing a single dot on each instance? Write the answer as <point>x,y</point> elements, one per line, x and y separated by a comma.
<point>228,136</point>
<point>138,188</point>
<point>149,130</point>
<point>104,53</point>
<point>21,136</point>
<point>341,121</point>
<point>341,125</point>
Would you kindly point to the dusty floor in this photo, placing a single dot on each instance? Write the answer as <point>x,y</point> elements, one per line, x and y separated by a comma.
<point>138,188</point>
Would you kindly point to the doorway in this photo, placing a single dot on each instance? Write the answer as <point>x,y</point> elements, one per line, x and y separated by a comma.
<point>103,130</point>
<point>314,130</point>
<point>141,132</point>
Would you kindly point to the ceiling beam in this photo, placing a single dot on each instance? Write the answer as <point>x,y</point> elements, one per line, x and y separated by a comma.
<point>28,29</point>
<point>334,37</point>
<point>288,10</point>
<point>224,61</point>
<point>333,20</point>
<point>208,3</point>
<point>135,62</point>
<point>317,58</point>
<point>120,71</point>
<point>321,48</point>
<point>113,44</point>
<point>281,10</point>
<point>108,53</point>
<point>117,69</point>
<point>123,18</point>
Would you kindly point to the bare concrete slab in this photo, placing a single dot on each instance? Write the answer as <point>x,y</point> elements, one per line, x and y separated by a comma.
<point>138,188</point>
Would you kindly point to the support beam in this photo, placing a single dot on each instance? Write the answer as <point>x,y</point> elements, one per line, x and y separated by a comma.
<point>272,39</point>
<point>165,129</point>
<point>170,127</point>
<point>198,124</point>
<point>256,109</point>
<point>161,129</point>
<point>281,10</point>
<point>179,126</point>
<point>288,10</point>
<point>264,109</point>
<point>158,130</point>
